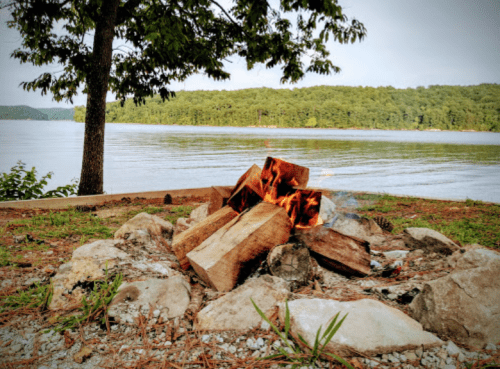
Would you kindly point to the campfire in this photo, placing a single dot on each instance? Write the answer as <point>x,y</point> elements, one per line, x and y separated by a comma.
<point>270,214</point>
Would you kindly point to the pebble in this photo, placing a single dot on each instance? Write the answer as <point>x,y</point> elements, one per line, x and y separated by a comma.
<point>491,347</point>
<point>205,338</point>
<point>452,349</point>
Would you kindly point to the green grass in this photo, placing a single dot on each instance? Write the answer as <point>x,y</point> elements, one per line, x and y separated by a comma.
<point>33,298</point>
<point>64,224</point>
<point>177,212</point>
<point>4,256</point>
<point>466,222</point>
<point>95,307</point>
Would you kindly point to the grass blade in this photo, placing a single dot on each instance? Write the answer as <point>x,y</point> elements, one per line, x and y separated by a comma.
<point>340,360</point>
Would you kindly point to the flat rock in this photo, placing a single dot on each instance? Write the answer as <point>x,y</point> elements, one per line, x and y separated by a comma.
<point>170,296</point>
<point>363,228</point>
<point>473,258</point>
<point>370,328</point>
<point>235,311</point>
<point>430,240</point>
<point>155,226</point>
<point>89,263</point>
<point>464,305</point>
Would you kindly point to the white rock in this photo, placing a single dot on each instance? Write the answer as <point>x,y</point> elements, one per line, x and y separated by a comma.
<point>363,228</point>
<point>370,327</point>
<point>89,263</point>
<point>155,226</point>
<point>452,349</point>
<point>200,213</point>
<point>170,296</point>
<point>235,311</point>
<point>326,209</point>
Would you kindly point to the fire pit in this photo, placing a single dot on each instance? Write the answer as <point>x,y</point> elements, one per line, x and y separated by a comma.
<point>265,209</point>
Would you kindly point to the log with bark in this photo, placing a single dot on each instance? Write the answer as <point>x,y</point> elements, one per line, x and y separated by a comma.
<point>232,253</point>
<point>339,252</point>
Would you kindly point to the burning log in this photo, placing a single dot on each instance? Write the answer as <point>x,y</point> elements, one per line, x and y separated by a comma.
<point>248,190</point>
<point>230,254</point>
<point>194,236</point>
<point>342,253</point>
<point>290,262</point>
<point>280,181</point>
<point>280,177</point>
<point>218,198</point>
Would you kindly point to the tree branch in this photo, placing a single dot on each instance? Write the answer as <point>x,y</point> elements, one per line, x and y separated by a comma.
<point>224,11</point>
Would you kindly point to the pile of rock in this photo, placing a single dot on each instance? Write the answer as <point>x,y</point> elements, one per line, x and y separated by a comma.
<point>451,293</point>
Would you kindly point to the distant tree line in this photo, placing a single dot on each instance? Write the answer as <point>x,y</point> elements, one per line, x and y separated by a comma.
<point>436,107</point>
<point>23,112</point>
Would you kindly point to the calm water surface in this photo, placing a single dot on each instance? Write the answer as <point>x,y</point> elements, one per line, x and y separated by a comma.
<point>452,165</point>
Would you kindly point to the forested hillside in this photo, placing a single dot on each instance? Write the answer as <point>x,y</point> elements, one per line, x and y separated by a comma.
<point>58,113</point>
<point>21,112</point>
<point>437,107</point>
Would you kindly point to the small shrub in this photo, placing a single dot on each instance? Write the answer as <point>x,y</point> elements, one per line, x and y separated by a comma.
<point>22,184</point>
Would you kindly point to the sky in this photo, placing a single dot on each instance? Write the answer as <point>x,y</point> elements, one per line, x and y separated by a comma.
<point>409,43</point>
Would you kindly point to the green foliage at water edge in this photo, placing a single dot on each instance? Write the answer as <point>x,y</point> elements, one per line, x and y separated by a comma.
<point>436,107</point>
<point>22,184</point>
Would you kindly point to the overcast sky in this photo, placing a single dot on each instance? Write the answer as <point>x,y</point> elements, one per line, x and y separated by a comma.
<point>410,43</point>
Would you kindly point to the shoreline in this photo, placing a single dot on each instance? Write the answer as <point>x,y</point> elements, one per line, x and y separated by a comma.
<point>312,128</point>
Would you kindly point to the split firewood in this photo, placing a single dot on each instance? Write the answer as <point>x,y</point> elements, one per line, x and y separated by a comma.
<point>230,254</point>
<point>218,198</point>
<point>192,237</point>
<point>290,262</point>
<point>248,190</point>
<point>337,251</point>
<point>280,177</point>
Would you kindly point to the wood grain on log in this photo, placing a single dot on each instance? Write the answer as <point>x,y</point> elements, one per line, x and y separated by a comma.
<point>290,262</point>
<point>192,237</point>
<point>248,190</point>
<point>218,198</point>
<point>231,253</point>
<point>337,251</point>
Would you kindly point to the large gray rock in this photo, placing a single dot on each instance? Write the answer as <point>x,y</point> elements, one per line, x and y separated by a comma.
<point>474,258</point>
<point>168,297</point>
<point>370,328</point>
<point>155,226</point>
<point>363,228</point>
<point>235,311</point>
<point>89,263</point>
<point>429,240</point>
<point>464,305</point>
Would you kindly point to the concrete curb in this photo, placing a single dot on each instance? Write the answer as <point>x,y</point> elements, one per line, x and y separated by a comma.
<point>63,202</point>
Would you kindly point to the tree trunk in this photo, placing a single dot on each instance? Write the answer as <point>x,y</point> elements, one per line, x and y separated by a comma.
<point>91,179</point>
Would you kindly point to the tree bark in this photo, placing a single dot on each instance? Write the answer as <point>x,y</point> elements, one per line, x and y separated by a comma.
<point>91,179</point>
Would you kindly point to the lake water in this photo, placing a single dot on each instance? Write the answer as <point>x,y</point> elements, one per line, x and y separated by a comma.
<point>449,165</point>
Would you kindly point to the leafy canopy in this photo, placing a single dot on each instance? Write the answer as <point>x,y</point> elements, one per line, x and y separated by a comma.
<point>165,41</point>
